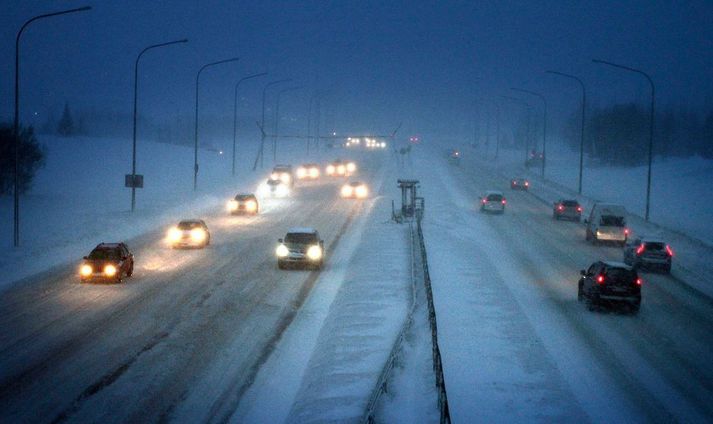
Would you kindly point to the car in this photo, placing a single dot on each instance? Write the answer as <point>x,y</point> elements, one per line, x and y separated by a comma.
<point>567,209</point>
<point>308,171</point>
<point>244,204</point>
<point>606,282</point>
<point>519,184</point>
<point>107,262</point>
<point>493,201</point>
<point>283,173</point>
<point>648,253</point>
<point>301,247</point>
<point>535,158</point>
<point>355,190</point>
<point>340,168</point>
<point>275,188</point>
<point>454,156</point>
<point>189,233</point>
<point>607,223</point>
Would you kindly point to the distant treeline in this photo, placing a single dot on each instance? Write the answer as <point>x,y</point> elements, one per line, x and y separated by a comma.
<point>619,134</point>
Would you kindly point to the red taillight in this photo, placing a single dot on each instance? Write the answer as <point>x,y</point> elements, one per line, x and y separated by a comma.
<point>503,201</point>
<point>600,279</point>
<point>640,249</point>
<point>626,231</point>
<point>669,251</point>
<point>579,209</point>
<point>639,281</point>
<point>560,208</point>
<point>485,201</point>
<point>527,183</point>
<point>514,183</point>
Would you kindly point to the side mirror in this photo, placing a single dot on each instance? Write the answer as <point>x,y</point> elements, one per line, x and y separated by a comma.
<point>582,272</point>
<point>85,257</point>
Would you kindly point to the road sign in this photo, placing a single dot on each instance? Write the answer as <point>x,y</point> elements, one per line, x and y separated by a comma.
<point>135,181</point>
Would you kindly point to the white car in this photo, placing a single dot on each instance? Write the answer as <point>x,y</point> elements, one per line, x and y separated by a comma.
<point>493,201</point>
<point>355,190</point>
<point>275,188</point>
<point>189,233</point>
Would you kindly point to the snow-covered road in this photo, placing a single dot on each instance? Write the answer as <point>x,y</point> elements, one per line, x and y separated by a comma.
<point>142,351</point>
<point>517,346</point>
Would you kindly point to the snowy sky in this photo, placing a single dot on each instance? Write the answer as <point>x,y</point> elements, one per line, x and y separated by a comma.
<point>428,64</point>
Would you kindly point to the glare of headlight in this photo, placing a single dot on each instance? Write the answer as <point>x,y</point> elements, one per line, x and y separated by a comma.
<point>314,253</point>
<point>314,172</point>
<point>351,167</point>
<point>301,172</point>
<point>282,191</point>
<point>346,190</point>
<point>285,177</point>
<point>232,205</point>
<point>263,190</point>
<point>174,234</point>
<point>110,270</point>
<point>340,169</point>
<point>330,169</point>
<point>274,176</point>
<point>85,270</point>
<point>282,251</point>
<point>198,234</point>
<point>383,144</point>
<point>362,191</point>
<point>251,205</point>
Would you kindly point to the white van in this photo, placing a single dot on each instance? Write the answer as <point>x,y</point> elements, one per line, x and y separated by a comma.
<point>607,222</point>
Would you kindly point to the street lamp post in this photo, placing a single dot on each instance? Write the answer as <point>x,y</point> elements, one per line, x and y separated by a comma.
<point>651,126</point>
<point>277,120</point>
<point>544,125</point>
<point>262,121</point>
<point>136,88</point>
<point>581,137</point>
<point>235,112</point>
<point>497,129</point>
<point>195,138</point>
<point>16,125</point>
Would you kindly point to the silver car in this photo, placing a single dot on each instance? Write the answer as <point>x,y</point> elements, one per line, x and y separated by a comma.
<point>493,201</point>
<point>649,253</point>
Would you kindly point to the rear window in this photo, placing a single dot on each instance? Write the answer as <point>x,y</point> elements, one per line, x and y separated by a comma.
<point>655,246</point>
<point>188,225</point>
<point>612,221</point>
<point>570,203</point>
<point>620,274</point>
<point>494,197</point>
<point>300,238</point>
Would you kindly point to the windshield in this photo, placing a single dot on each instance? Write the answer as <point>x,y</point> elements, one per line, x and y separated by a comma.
<point>612,221</point>
<point>105,254</point>
<point>300,238</point>
<point>189,225</point>
<point>244,197</point>
<point>570,203</point>
<point>495,197</point>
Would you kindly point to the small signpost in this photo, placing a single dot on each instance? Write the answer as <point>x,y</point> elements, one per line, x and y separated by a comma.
<point>134,181</point>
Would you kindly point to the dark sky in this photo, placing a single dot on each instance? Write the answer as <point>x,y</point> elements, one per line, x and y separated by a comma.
<point>428,64</point>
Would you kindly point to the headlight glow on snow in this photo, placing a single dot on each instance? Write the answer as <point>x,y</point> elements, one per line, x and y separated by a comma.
<point>110,270</point>
<point>85,270</point>
<point>198,234</point>
<point>233,205</point>
<point>314,253</point>
<point>282,251</point>
<point>282,191</point>
<point>174,235</point>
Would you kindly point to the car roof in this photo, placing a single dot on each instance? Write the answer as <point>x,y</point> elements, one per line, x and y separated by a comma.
<point>645,239</point>
<point>108,245</point>
<point>567,200</point>
<point>615,264</point>
<point>274,181</point>
<point>609,208</point>
<point>489,192</point>
<point>244,195</point>
<point>520,178</point>
<point>302,230</point>
<point>191,221</point>
<point>356,183</point>
<point>309,164</point>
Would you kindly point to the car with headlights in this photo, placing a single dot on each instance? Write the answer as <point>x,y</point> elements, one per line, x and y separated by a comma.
<point>454,156</point>
<point>300,247</point>
<point>308,171</point>
<point>354,190</point>
<point>493,201</point>
<point>535,158</point>
<point>188,233</point>
<point>274,188</point>
<point>606,282</point>
<point>283,173</point>
<point>519,184</point>
<point>107,262</point>
<point>648,253</point>
<point>244,204</point>
<point>340,168</point>
<point>567,209</point>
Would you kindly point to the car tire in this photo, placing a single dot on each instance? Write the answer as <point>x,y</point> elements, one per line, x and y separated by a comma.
<point>280,265</point>
<point>592,302</point>
<point>131,271</point>
<point>580,294</point>
<point>588,235</point>
<point>667,269</point>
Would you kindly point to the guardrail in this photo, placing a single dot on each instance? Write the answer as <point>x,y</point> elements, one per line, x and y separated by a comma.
<point>381,384</point>
<point>437,364</point>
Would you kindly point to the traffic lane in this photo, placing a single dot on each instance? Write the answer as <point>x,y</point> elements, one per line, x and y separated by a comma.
<point>673,339</point>
<point>178,286</point>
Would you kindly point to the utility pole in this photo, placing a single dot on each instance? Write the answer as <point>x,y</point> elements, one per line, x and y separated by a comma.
<point>235,112</point>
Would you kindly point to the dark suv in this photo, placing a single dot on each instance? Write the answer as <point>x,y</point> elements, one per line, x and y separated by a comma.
<point>609,282</point>
<point>109,262</point>
<point>648,253</point>
<point>301,246</point>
